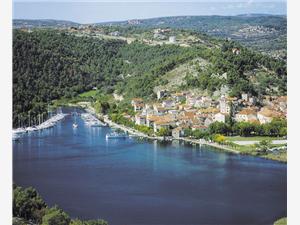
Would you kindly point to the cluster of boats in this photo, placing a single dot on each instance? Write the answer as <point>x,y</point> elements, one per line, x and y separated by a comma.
<point>115,135</point>
<point>44,125</point>
<point>91,120</point>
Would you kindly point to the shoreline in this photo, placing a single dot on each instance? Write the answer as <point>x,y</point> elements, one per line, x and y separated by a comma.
<point>136,133</point>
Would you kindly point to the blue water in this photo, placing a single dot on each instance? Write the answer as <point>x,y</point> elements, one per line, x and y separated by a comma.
<point>142,182</point>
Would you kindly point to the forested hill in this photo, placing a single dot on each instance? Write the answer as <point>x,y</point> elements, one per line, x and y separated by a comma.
<point>50,64</point>
<point>266,33</point>
<point>261,32</point>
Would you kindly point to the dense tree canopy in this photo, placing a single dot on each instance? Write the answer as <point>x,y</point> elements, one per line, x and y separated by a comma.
<point>49,64</point>
<point>28,205</point>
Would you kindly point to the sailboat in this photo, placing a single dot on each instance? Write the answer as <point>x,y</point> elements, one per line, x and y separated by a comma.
<point>75,125</point>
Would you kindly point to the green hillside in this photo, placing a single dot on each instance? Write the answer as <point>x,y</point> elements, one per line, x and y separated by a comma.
<point>50,64</point>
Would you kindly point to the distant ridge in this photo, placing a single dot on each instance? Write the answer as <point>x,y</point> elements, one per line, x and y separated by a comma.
<point>53,22</point>
<point>262,32</point>
<point>32,23</point>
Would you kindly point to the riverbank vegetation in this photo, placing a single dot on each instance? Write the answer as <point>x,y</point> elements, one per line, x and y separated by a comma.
<point>282,221</point>
<point>275,129</point>
<point>30,208</point>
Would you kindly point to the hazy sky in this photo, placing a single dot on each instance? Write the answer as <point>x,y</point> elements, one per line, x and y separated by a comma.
<point>94,11</point>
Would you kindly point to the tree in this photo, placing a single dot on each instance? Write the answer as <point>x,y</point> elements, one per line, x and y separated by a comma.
<point>55,216</point>
<point>219,128</point>
<point>88,222</point>
<point>219,138</point>
<point>244,128</point>
<point>28,204</point>
<point>163,132</point>
<point>263,146</point>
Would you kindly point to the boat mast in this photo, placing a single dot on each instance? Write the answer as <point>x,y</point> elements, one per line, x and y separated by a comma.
<point>29,119</point>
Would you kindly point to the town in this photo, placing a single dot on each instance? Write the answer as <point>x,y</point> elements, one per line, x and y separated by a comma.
<point>180,110</point>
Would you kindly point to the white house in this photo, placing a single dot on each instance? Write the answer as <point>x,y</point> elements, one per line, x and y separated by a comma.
<point>140,119</point>
<point>168,103</point>
<point>177,132</point>
<point>219,117</point>
<point>245,96</point>
<point>223,105</point>
<point>208,121</point>
<point>172,39</point>
<point>266,115</point>
<point>246,115</point>
<point>159,109</point>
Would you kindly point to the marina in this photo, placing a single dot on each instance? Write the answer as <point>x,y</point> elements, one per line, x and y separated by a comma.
<point>44,125</point>
<point>92,120</point>
<point>89,119</point>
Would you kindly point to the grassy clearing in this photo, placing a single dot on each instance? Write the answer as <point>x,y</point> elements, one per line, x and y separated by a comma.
<point>251,150</point>
<point>90,93</point>
<point>255,138</point>
<point>282,221</point>
<point>281,156</point>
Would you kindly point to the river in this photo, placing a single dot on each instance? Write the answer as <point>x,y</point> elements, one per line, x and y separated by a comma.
<point>130,182</point>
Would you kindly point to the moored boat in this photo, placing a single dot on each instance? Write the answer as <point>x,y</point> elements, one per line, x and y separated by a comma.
<point>20,130</point>
<point>114,135</point>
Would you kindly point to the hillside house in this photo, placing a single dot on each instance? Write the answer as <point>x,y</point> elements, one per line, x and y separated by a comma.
<point>140,119</point>
<point>178,132</point>
<point>282,102</point>
<point>159,109</point>
<point>172,39</point>
<point>246,115</point>
<point>173,112</point>
<point>191,100</point>
<point>161,94</point>
<point>159,36</point>
<point>208,121</point>
<point>179,97</point>
<point>266,115</point>
<point>138,107</point>
<point>236,51</point>
<point>137,104</point>
<point>245,96</point>
<point>168,103</point>
<point>150,120</point>
<point>164,122</point>
<point>224,105</point>
<point>219,117</point>
<point>115,33</point>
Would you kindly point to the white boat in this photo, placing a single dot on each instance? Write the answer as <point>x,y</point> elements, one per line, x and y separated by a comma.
<point>20,130</point>
<point>114,135</point>
<point>94,123</point>
<point>15,137</point>
<point>30,129</point>
<point>75,125</point>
